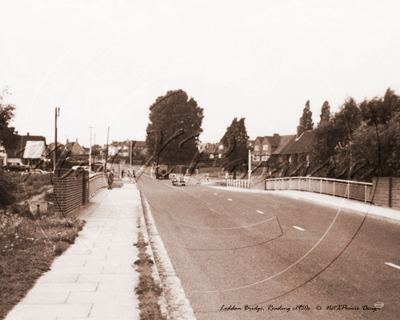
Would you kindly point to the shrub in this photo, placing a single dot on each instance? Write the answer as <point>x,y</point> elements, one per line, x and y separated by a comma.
<point>60,247</point>
<point>5,187</point>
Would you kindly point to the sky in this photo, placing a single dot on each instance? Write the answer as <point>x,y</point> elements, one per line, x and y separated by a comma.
<point>103,63</point>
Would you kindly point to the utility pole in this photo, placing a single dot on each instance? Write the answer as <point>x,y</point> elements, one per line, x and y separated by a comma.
<point>130,152</point>
<point>90,151</point>
<point>57,114</point>
<point>105,167</point>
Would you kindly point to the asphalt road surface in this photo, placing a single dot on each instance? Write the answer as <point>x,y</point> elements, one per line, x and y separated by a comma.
<point>264,256</point>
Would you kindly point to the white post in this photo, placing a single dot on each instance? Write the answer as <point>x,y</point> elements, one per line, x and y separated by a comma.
<point>249,167</point>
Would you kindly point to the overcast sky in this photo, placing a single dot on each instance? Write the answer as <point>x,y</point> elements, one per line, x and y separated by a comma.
<point>105,62</point>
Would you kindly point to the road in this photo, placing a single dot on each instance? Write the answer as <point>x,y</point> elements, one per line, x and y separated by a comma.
<point>259,256</point>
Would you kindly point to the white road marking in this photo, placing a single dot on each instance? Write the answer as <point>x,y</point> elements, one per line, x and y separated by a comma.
<point>215,193</point>
<point>230,199</point>
<point>260,212</point>
<point>392,265</point>
<point>298,228</point>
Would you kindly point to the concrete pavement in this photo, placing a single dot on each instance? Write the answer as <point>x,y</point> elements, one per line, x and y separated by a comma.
<point>357,207</point>
<point>94,278</point>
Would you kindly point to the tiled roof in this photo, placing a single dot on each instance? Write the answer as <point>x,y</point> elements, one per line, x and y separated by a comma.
<point>284,142</point>
<point>304,144</point>
<point>273,141</point>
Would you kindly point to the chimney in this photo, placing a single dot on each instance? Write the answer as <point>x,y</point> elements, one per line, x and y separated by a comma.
<point>76,139</point>
<point>300,129</point>
<point>27,134</point>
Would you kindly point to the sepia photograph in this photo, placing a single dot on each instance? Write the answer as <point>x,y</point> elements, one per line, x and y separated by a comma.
<point>197,159</point>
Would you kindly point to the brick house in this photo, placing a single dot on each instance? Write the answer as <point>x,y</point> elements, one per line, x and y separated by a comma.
<point>265,147</point>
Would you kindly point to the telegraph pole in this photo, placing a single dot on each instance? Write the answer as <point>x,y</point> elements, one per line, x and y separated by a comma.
<point>57,114</point>
<point>90,151</point>
<point>105,167</point>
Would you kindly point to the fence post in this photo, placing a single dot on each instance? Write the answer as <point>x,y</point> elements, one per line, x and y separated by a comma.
<point>333,188</point>
<point>290,184</point>
<point>365,193</point>
<point>348,190</point>
<point>320,186</point>
<point>309,186</point>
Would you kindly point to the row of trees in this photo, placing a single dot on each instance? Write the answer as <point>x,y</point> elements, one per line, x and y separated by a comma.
<point>174,129</point>
<point>368,131</point>
<point>6,133</point>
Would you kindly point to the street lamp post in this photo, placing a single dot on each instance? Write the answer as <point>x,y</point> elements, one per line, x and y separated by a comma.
<point>250,148</point>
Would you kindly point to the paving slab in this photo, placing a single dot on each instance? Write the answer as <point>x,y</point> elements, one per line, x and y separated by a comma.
<point>94,278</point>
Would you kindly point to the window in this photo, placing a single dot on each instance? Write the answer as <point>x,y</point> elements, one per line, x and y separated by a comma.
<point>256,158</point>
<point>220,155</point>
<point>264,158</point>
<point>265,147</point>
<point>257,148</point>
<point>221,146</point>
<point>211,156</point>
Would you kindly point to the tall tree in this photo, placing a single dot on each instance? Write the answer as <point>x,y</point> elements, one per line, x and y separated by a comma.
<point>306,118</point>
<point>380,110</point>
<point>235,144</point>
<point>175,123</point>
<point>325,113</point>
<point>6,115</point>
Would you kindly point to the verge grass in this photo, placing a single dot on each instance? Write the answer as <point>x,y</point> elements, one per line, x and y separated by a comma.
<point>148,290</point>
<point>28,246</point>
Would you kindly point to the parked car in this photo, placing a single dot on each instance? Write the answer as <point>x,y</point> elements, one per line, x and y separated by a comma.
<point>16,166</point>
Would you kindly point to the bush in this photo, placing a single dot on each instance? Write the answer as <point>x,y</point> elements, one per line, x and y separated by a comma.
<point>5,187</point>
<point>60,247</point>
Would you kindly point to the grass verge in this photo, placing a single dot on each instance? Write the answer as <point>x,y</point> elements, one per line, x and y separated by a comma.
<point>148,290</point>
<point>28,246</point>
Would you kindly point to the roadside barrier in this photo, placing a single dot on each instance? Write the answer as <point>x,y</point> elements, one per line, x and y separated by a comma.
<point>355,190</point>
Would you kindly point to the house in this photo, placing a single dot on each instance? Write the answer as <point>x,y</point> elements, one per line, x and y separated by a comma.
<point>28,148</point>
<point>120,147</point>
<point>265,147</point>
<point>139,147</point>
<point>210,150</point>
<point>75,150</point>
<point>34,152</point>
<point>3,156</point>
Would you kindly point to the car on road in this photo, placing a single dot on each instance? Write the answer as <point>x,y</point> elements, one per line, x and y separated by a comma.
<point>16,166</point>
<point>178,181</point>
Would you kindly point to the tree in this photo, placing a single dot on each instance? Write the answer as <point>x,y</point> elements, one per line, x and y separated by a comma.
<point>306,118</point>
<point>380,110</point>
<point>175,124</point>
<point>325,113</point>
<point>6,115</point>
<point>235,145</point>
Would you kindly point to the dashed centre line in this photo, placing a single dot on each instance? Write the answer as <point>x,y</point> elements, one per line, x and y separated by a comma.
<point>298,228</point>
<point>392,265</point>
<point>260,212</point>
<point>230,199</point>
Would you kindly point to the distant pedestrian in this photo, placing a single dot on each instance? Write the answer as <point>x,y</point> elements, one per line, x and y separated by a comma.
<point>122,173</point>
<point>110,179</point>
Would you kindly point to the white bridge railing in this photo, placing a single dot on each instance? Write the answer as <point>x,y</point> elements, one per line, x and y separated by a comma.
<point>96,182</point>
<point>361,191</point>
<point>238,183</point>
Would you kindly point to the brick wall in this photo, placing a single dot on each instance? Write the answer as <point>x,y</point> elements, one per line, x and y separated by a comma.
<point>387,191</point>
<point>71,190</point>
